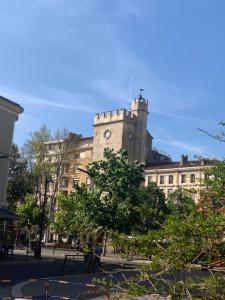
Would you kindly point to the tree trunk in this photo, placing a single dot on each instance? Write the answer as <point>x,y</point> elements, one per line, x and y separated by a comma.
<point>105,244</point>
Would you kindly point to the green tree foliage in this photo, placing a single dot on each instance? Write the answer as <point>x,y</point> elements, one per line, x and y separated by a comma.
<point>46,162</point>
<point>115,202</point>
<point>191,239</point>
<point>70,217</point>
<point>21,179</point>
<point>181,202</point>
<point>114,197</point>
<point>178,245</point>
<point>30,213</point>
<point>152,208</point>
<point>215,183</point>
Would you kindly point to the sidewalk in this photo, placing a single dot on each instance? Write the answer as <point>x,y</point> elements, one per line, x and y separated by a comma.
<point>19,258</point>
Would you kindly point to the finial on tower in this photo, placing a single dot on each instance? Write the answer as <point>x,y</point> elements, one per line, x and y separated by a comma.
<point>140,96</point>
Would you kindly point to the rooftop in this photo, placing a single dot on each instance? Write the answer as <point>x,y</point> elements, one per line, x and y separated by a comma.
<point>13,106</point>
<point>176,164</point>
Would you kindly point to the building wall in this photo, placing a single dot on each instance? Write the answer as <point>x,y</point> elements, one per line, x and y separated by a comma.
<point>9,112</point>
<point>187,172</point>
<point>139,108</point>
<point>125,129</point>
<point>107,135</point>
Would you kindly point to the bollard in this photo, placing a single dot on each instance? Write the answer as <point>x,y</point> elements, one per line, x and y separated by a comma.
<point>46,290</point>
<point>27,254</point>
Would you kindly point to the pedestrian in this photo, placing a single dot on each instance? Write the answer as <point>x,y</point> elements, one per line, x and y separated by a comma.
<point>89,258</point>
<point>98,253</point>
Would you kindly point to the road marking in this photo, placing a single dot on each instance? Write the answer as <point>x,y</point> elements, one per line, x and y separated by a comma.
<point>33,280</point>
<point>17,289</point>
<point>5,280</point>
<point>90,285</point>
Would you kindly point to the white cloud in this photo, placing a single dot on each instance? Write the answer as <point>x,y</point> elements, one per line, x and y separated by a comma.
<point>193,148</point>
<point>63,100</point>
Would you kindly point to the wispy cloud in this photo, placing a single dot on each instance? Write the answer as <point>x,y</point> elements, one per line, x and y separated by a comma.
<point>186,147</point>
<point>63,100</point>
<point>193,148</point>
<point>174,115</point>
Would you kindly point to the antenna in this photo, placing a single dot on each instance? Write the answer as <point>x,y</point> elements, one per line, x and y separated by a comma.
<point>131,79</point>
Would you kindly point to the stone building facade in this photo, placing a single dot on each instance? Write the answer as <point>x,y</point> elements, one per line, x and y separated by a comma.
<point>114,129</point>
<point>128,130</point>
<point>183,174</point>
<point>9,113</point>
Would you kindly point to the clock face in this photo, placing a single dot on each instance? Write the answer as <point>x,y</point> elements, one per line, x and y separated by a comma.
<point>107,134</point>
<point>130,136</point>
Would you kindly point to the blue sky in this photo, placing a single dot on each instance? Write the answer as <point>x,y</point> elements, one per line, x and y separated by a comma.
<point>64,60</point>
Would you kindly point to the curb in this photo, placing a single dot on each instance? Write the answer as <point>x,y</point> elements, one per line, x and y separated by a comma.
<point>17,289</point>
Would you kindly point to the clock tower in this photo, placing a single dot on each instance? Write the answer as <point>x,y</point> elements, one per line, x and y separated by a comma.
<point>122,129</point>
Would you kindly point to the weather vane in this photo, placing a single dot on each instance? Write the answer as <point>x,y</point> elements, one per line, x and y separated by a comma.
<point>140,96</point>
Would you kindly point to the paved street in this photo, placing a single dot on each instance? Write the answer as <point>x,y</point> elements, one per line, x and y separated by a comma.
<point>33,272</point>
<point>19,278</point>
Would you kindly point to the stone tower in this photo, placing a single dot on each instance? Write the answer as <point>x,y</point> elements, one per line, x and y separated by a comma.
<point>122,129</point>
<point>139,108</point>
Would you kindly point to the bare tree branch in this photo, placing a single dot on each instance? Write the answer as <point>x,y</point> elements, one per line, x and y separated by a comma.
<point>215,137</point>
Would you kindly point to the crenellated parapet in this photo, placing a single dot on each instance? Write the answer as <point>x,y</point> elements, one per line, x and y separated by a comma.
<point>139,104</point>
<point>114,116</point>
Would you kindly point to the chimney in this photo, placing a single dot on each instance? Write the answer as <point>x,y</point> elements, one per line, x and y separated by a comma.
<point>183,159</point>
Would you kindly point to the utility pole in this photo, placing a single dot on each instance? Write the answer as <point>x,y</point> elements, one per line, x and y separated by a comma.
<point>37,252</point>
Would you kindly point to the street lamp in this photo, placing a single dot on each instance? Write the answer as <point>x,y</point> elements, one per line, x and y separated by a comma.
<point>37,252</point>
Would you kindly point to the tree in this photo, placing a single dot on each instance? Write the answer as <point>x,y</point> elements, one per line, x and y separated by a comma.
<point>219,136</point>
<point>115,202</point>
<point>70,218</point>
<point>180,202</point>
<point>152,208</point>
<point>47,154</point>
<point>114,198</point>
<point>30,213</point>
<point>215,184</point>
<point>178,245</point>
<point>21,181</point>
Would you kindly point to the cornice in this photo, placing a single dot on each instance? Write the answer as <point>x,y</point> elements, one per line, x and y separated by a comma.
<point>10,106</point>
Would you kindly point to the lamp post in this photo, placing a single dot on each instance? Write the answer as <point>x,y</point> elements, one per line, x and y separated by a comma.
<point>37,252</point>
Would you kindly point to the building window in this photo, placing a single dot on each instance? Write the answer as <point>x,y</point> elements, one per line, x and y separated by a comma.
<point>66,168</point>
<point>192,178</point>
<point>64,182</point>
<point>76,155</point>
<point>170,179</point>
<point>76,167</point>
<point>149,179</point>
<point>88,181</point>
<point>76,182</point>
<point>161,179</point>
<point>183,178</point>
